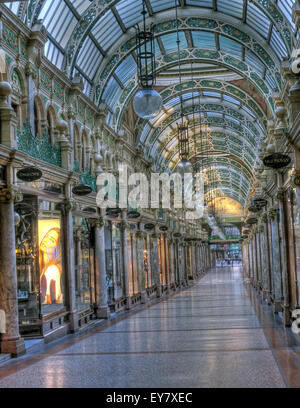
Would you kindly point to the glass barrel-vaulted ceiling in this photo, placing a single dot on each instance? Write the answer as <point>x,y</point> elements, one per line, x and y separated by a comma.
<point>233,47</point>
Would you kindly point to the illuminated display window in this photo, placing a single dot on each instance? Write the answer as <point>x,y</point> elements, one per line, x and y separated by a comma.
<point>50,257</point>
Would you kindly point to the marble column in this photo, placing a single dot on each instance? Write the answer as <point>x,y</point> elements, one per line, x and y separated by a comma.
<point>101,306</point>
<point>140,268</point>
<point>11,342</point>
<point>155,264</point>
<point>284,252</point>
<point>70,206</point>
<point>276,275</point>
<point>123,228</point>
<point>196,259</point>
<point>166,260</point>
<point>266,278</point>
<point>258,257</point>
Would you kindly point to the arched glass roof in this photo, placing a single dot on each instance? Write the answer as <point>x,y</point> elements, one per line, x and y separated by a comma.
<point>235,47</point>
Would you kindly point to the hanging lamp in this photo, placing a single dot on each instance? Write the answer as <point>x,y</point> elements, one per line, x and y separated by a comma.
<point>182,127</point>
<point>147,102</point>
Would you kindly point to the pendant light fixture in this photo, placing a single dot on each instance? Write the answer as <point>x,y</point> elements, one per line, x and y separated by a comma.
<point>182,127</point>
<point>147,102</point>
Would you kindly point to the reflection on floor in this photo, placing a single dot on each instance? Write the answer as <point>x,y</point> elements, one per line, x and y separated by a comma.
<point>214,334</point>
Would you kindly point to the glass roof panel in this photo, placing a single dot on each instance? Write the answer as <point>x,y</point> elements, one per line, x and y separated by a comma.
<point>232,7</point>
<point>58,20</point>
<point>107,30</point>
<point>258,20</point>
<point>230,99</point>
<point>130,11</point>
<point>126,70</point>
<point>54,54</point>
<point>89,58</point>
<point>13,6</point>
<point>203,39</point>
<point>248,111</point>
<point>80,5</point>
<point>270,81</point>
<point>278,45</point>
<point>201,3</point>
<point>112,93</point>
<point>158,5</point>
<point>253,61</point>
<point>169,41</point>
<point>212,94</point>
<point>172,102</point>
<point>230,46</point>
<point>286,8</point>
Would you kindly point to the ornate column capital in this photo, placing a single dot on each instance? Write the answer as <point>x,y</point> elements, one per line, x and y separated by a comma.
<point>10,194</point>
<point>123,225</point>
<point>99,222</point>
<point>30,70</point>
<point>280,194</point>
<point>70,205</point>
<point>273,213</point>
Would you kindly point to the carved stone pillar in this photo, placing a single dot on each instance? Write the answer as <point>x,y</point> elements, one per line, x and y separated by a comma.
<point>284,255</point>
<point>140,267</point>
<point>102,309</point>
<point>155,263</point>
<point>67,153</point>
<point>8,117</point>
<point>11,342</point>
<point>172,262</point>
<point>70,206</point>
<point>123,228</point>
<point>167,262</point>
<point>266,277</point>
<point>276,264</point>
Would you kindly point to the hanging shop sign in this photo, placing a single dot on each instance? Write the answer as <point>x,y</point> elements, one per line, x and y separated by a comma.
<point>177,235</point>
<point>113,212</point>
<point>82,190</point>
<point>133,214</point>
<point>260,202</point>
<point>252,220</point>
<point>277,160</point>
<point>254,208</point>
<point>163,228</point>
<point>149,226</point>
<point>89,210</point>
<point>29,174</point>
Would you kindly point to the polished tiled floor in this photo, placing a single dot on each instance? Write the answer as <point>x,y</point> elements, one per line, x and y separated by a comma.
<point>210,335</point>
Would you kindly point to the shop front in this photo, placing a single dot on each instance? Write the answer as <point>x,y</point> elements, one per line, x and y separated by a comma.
<point>40,265</point>
<point>84,263</point>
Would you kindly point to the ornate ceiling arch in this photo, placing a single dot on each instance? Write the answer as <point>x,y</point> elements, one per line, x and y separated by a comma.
<point>209,88</point>
<point>209,105</point>
<point>120,99</point>
<point>87,14</point>
<point>244,131</point>
<point>257,54</point>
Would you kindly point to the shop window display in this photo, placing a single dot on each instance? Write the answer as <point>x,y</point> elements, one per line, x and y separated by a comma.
<point>26,261</point>
<point>39,261</point>
<point>84,262</point>
<point>50,257</point>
